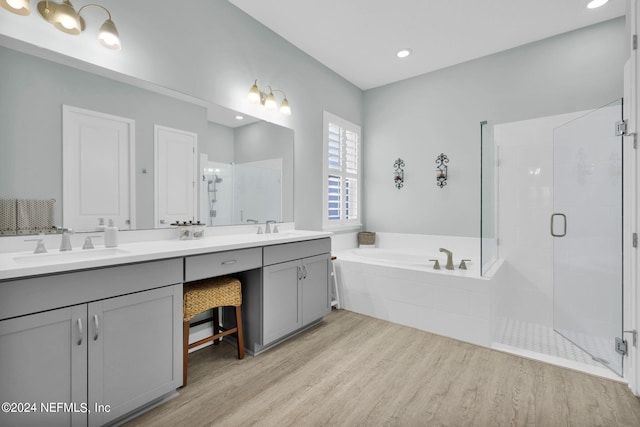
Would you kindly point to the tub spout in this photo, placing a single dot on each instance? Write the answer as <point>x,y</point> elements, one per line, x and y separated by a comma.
<point>449,265</point>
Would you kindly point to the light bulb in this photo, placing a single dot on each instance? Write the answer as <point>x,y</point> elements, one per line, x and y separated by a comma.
<point>270,103</point>
<point>67,22</point>
<point>596,3</point>
<point>403,53</point>
<point>16,4</point>
<point>108,35</point>
<point>284,108</point>
<point>254,93</point>
<point>19,7</point>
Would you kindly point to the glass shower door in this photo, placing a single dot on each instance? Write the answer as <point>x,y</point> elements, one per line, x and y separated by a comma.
<point>587,229</point>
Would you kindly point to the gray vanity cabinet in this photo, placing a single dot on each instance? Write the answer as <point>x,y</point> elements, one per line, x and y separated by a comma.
<point>132,350</point>
<point>48,350</point>
<point>316,301</point>
<point>282,296</point>
<point>103,358</point>
<point>295,288</point>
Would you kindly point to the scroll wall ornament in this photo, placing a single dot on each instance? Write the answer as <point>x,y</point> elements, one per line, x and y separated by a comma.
<point>441,170</point>
<point>398,174</point>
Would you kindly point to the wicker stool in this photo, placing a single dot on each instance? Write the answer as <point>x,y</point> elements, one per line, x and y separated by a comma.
<point>205,295</point>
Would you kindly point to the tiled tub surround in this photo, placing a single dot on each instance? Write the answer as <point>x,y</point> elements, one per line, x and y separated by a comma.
<point>396,282</point>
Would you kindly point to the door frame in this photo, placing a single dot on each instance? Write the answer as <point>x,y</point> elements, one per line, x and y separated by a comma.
<point>631,212</point>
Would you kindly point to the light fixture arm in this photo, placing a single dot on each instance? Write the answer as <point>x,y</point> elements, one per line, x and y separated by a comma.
<point>94,5</point>
<point>278,90</point>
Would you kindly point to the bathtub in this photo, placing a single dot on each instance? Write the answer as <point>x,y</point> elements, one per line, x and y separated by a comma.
<point>395,281</point>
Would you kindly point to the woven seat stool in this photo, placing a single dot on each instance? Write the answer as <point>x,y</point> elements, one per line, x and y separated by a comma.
<point>209,294</point>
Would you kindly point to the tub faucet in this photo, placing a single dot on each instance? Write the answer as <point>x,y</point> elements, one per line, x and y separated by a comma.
<point>449,265</point>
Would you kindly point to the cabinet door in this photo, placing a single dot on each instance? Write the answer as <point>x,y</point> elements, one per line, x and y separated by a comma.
<point>43,362</point>
<point>315,288</point>
<point>281,300</point>
<point>134,351</point>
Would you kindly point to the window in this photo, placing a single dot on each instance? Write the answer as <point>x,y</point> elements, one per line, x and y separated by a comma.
<point>341,207</point>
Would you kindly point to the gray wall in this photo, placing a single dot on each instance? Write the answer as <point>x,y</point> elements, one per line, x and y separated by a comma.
<point>32,93</point>
<point>219,143</point>
<point>214,51</point>
<point>440,112</point>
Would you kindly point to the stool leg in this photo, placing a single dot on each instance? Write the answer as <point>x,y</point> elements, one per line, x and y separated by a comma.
<point>185,351</point>
<point>239,333</point>
<point>216,324</point>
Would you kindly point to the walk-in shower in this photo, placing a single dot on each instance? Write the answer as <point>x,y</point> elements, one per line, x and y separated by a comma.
<point>552,210</point>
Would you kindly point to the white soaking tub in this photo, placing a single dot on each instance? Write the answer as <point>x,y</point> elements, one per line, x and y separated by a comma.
<point>395,281</point>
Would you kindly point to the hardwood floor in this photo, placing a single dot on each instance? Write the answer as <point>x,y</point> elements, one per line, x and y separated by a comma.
<point>353,370</point>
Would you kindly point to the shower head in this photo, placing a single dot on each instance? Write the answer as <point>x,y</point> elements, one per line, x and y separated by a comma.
<point>217,179</point>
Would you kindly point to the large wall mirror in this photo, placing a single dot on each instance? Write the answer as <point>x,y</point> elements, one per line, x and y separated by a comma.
<point>242,169</point>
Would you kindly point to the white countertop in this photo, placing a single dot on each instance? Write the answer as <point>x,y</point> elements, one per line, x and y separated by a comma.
<point>14,265</point>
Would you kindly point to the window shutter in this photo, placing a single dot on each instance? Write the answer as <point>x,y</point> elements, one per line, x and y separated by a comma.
<point>342,172</point>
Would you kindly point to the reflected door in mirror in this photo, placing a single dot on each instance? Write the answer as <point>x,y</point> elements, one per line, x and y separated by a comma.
<point>175,176</point>
<point>98,151</point>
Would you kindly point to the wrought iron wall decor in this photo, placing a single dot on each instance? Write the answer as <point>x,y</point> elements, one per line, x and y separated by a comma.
<point>398,174</point>
<point>441,170</point>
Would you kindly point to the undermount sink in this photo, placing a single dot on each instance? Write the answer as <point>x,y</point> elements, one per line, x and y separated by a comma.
<point>69,256</point>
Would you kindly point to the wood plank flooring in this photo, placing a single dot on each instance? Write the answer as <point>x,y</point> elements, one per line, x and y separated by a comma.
<point>354,370</point>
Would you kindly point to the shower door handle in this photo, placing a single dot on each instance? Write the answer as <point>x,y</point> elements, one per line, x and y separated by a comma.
<point>564,221</point>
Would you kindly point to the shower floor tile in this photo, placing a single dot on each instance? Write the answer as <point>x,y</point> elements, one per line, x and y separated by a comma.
<point>539,339</point>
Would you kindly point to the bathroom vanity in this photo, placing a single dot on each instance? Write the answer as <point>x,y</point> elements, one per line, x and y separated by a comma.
<point>90,339</point>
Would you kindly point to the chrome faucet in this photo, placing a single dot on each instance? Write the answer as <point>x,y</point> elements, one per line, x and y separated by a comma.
<point>449,265</point>
<point>252,221</point>
<point>40,249</point>
<point>267,227</point>
<point>65,243</point>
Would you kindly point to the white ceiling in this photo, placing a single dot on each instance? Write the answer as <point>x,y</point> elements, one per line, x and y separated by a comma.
<point>358,39</point>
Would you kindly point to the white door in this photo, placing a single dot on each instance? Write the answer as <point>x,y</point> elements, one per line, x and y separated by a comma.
<point>98,176</point>
<point>175,176</point>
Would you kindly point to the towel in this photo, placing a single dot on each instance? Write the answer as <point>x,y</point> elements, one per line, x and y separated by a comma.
<point>34,216</point>
<point>8,218</point>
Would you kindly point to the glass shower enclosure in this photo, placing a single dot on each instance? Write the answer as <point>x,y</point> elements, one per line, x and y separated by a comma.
<point>587,233</point>
<point>489,198</point>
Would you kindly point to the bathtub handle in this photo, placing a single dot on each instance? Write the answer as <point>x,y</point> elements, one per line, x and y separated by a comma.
<point>436,265</point>
<point>564,220</point>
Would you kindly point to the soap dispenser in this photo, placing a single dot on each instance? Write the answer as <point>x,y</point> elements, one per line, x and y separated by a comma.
<point>111,235</point>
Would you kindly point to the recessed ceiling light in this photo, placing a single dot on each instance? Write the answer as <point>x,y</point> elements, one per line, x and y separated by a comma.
<point>403,53</point>
<point>239,117</point>
<point>596,3</point>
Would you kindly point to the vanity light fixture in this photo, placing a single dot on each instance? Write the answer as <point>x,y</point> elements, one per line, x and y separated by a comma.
<point>257,96</point>
<point>64,17</point>
<point>596,3</point>
<point>19,7</point>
